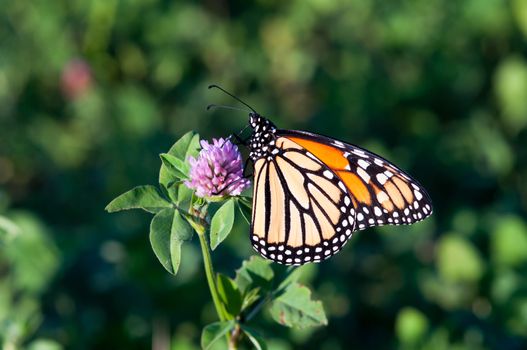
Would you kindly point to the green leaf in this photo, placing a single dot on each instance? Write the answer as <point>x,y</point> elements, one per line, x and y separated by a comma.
<point>509,241</point>
<point>176,167</point>
<point>254,337</point>
<point>183,147</point>
<point>168,231</point>
<point>511,89</point>
<point>284,275</point>
<point>214,332</point>
<point>8,229</point>
<point>458,260</point>
<point>254,273</point>
<point>244,209</point>
<point>230,294</point>
<point>249,297</point>
<point>294,308</point>
<point>141,197</point>
<point>411,325</point>
<point>44,344</point>
<point>184,197</point>
<point>193,147</point>
<point>221,223</point>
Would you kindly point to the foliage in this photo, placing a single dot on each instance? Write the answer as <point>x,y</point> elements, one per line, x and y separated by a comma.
<point>237,301</point>
<point>31,260</point>
<point>436,86</point>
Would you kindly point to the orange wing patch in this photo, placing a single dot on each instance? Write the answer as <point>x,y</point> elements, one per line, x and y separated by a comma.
<point>356,186</point>
<point>335,160</point>
<point>331,156</point>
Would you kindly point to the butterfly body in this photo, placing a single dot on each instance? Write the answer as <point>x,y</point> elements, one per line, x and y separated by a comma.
<point>311,192</point>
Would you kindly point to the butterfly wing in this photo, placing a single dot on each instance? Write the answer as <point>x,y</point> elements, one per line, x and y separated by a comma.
<point>381,192</point>
<point>301,210</point>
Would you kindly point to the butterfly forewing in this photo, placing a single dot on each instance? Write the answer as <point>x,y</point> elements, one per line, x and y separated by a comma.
<point>381,193</point>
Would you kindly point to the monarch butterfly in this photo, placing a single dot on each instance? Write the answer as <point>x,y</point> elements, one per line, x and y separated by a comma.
<point>311,192</point>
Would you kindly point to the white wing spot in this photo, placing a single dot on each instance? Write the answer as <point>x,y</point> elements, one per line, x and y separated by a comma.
<point>364,175</point>
<point>363,164</point>
<point>310,155</point>
<point>381,178</point>
<point>328,174</point>
<point>359,153</point>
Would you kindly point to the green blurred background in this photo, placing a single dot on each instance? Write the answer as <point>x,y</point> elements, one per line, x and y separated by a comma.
<point>92,91</point>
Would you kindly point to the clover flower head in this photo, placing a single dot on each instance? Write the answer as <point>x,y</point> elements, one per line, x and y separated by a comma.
<point>218,170</point>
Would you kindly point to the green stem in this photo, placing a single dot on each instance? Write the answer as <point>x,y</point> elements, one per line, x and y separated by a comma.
<point>209,271</point>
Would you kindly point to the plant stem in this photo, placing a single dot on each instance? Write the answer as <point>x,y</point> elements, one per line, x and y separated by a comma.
<point>209,272</point>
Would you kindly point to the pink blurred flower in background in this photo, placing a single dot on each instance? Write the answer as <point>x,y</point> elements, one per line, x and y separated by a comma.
<point>76,78</point>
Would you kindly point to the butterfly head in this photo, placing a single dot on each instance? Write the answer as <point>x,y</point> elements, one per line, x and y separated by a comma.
<point>263,136</point>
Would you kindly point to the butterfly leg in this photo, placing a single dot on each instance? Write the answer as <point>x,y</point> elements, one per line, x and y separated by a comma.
<point>218,192</point>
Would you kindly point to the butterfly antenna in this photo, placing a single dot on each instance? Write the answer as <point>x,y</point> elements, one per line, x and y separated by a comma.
<point>226,107</point>
<point>231,95</point>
